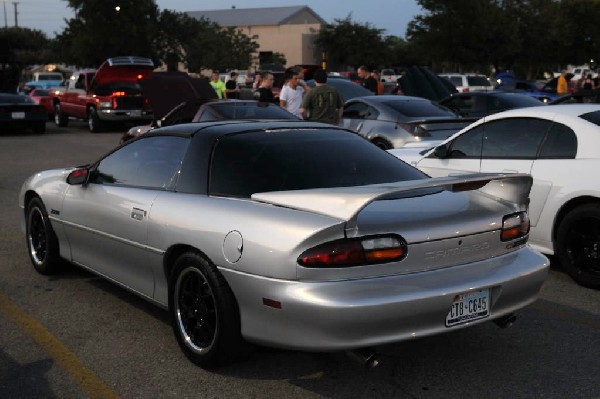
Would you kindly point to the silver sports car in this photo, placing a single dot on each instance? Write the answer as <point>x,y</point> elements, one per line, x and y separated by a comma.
<point>291,234</point>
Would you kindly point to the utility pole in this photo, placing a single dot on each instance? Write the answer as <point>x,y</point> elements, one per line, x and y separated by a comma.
<point>16,13</point>
<point>5,21</point>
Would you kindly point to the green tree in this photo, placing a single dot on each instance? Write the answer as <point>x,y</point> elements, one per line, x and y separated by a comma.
<point>21,47</point>
<point>348,43</point>
<point>107,28</point>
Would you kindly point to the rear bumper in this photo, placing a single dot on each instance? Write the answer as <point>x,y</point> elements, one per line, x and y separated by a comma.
<point>324,316</point>
<point>124,115</point>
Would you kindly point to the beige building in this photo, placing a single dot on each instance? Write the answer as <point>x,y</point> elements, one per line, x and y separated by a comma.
<point>290,31</point>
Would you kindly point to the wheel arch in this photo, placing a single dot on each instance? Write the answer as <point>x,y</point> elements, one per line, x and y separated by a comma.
<point>568,207</point>
<point>29,195</point>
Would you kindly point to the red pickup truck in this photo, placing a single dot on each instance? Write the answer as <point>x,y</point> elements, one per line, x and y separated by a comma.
<point>110,94</point>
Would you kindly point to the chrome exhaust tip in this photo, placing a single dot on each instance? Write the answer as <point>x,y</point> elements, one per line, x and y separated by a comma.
<point>366,357</point>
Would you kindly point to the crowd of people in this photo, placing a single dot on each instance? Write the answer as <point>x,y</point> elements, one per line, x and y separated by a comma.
<point>322,103</point>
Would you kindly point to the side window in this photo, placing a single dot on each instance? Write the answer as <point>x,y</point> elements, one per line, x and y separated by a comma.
<point>516,138</point>
<point>151,162</point>
<point>462,104</point>
<point>468,145</point>
<point>206,116</point>
<point>356,111</point>
<point>80,84</point>
<point>561,142</point>
<point>372,113</point>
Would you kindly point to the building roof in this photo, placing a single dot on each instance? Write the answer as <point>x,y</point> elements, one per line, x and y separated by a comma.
<point>260,16</point>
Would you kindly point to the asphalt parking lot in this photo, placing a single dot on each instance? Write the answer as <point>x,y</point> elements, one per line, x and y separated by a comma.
<point>75,335</point>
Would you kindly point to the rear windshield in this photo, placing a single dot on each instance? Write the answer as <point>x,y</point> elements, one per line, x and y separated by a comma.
<point>299,159</point>
<point>233,110</point>
<point>15,99</point>
<point>419,108</point>
<point>593,117</point>
<point>50,77</point>
<point>478,81</point>
<point>39,92</point>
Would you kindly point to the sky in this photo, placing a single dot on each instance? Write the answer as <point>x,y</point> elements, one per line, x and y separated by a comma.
<point>391,15</point>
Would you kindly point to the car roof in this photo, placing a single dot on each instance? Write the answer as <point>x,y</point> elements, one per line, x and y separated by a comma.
<point>548,112</point>
<point>228,127</point>
<point>385,98</point>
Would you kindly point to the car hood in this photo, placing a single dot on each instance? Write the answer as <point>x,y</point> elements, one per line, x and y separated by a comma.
<point>122,69</point>
<point>166,90</point>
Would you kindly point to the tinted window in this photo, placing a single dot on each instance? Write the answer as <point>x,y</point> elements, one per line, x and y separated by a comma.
<point>478,81</point>
<point>419,108</point>
<point>355,110</point>
<point>233,110</point>
<point>560,142</point>
<point>149,162</point>
<point>456,80</point>
<point>249,163</point>
<point>468,145</point>
<point>15,99</point>
<point>593,117</point>
<point>39,92</point>
<point>517,138</point>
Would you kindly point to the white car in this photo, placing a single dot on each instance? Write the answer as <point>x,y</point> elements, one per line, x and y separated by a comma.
<point>468,82</point>
<point>560,147</point>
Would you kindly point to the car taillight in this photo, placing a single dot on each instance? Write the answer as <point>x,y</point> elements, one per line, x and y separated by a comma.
<point>466,90</point>
<point>515,226</point>
<point>415,130</point>
<point>355,252</point>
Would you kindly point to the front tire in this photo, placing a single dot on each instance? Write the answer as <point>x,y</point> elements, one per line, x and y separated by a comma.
<point>383,144</point>
<point>39,128</point>
<point>94,123</point>
<point>204,312</point>
<point>42,243</point>
<point>60,119</point>
<point>578,245</point>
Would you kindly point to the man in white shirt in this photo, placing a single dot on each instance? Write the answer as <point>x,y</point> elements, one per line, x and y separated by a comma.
<point>291,94</point>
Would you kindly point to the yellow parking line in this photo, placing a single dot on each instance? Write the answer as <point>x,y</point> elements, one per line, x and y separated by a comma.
<point>566,315</point>
<point>85,378</point>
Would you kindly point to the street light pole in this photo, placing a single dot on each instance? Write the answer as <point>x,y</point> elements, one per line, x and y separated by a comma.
<point>16,13</point>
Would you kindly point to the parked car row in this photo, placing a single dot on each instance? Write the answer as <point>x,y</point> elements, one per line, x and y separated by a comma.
<point>559,146</point>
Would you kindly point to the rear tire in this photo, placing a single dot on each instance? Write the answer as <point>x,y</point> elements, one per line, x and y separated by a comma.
<point>578,245</point>
<point>42,243</point>
<point>94,122</point>
<point>204,312</point>
<point>383,144</point>
<point>60,119</point>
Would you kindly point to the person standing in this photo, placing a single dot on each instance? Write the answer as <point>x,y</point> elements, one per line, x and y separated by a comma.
<point>366,80</point>
<point>377,76</point>
<point>323,103</point>
<point>218,85</point>
<point>264,93</point>
<point>232,89</point>
<point>562,86</point>
<point>291,94</point>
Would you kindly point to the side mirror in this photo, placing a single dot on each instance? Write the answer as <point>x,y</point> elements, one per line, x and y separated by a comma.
<point>78,177</point>
<point>441,152</point>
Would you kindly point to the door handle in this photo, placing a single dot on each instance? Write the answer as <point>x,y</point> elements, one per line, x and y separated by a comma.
<point>137,213</point>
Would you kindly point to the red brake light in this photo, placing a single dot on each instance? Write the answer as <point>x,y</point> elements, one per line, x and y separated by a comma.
<point>515,226</point>
<point>355,252</point>
<point>118,93</point>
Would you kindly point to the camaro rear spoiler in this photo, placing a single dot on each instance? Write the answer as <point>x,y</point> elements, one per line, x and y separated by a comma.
<point>345,203</point>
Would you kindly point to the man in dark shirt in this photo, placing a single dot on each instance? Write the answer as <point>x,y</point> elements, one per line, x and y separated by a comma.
<point>323,103</point>
<point>367,80</point>
<point>232,89</point>
<point>264,92</point>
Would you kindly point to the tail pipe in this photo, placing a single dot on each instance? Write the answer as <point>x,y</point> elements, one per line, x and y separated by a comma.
<point>367,357</point>
<point>506,321</point>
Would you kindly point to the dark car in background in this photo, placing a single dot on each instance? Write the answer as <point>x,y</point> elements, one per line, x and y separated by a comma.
<point>393,121</point>
<point>203,110</point>
<point>483,103</point>
<point>347,88</point>
<point>18,112</point>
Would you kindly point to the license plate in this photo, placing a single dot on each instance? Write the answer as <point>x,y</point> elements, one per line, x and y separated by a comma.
<point>136,113</point>
<point>469,306</point>
<point>18,115</point>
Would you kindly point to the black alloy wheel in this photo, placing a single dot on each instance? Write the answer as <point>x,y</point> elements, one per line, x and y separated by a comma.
<point>42,243</point>
<point>578,245</point>
<point>204,312</point>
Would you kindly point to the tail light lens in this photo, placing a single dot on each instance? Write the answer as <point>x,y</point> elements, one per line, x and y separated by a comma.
<point>415,130</point>
<point>515,226</point>
<point>355,252</point>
